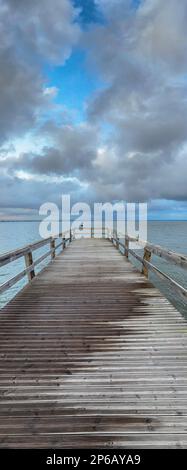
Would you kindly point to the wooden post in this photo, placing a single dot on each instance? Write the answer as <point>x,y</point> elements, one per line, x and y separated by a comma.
<point>126,252</point>
<point>52,245</point>
<point>28,263</point>
<point>147,257</point>
<point>117,242</point>
<point>64,243</point>
<point>70,236</point>
<point>114,238</point>
<point>92,232</point>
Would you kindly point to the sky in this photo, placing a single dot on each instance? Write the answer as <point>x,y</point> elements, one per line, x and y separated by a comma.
<point>93,103</point>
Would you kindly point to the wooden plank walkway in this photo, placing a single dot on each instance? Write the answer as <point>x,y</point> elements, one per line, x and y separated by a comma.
<point>92,355</point>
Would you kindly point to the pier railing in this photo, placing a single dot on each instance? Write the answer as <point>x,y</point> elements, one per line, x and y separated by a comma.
<point>150,249</point>
<point>122,242</point>
<point>26,252</point>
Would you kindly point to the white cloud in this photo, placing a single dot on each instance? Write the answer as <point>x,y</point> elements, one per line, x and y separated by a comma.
<point>51,91</point>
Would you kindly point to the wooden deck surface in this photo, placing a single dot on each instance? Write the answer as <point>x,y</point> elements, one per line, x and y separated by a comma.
<point>92,355</point>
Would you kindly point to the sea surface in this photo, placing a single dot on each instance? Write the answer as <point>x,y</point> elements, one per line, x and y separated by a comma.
<point>172,235</point>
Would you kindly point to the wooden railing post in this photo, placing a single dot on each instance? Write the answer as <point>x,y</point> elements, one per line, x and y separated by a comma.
<point>117,242</point>
<point>70,236</point>
<point>28,263</point>
<point>114,238</point>
<point>52,245</point>
<point>126,252</point>
<point>147,257</point>
<point>64,242</point>
<point>92,232</point>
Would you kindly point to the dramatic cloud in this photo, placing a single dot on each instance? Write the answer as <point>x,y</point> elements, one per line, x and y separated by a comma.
<point>142,54</point>
<point>20,192</point>
<point>132,144</point>
<point>64,167</point>
<point>45,28</point>
<point>30,33</point>
<point>74,151</point>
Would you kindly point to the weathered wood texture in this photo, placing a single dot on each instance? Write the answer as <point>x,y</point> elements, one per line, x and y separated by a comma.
<point>92,355</point>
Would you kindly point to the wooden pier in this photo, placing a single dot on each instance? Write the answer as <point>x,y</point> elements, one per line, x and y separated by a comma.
<point>92,354</point>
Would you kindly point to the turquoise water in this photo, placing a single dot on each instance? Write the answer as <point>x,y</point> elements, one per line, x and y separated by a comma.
<point>172,235</point>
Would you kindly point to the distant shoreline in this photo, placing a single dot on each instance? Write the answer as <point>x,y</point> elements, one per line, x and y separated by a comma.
<point>149,220</point>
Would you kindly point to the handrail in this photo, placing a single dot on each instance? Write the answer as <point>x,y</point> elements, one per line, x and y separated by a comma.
<point>6,258</point>
<point>26,252</point>
<point>10,256</point>
<point>169,255</point>
<point>149,249</point>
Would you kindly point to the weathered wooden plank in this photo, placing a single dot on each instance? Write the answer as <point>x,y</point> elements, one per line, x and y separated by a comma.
<point>92,355</point>
<point>68,441</point>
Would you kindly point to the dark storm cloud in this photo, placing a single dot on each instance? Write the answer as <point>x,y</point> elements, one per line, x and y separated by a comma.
<point>28,194</point>
<point>21,96</point>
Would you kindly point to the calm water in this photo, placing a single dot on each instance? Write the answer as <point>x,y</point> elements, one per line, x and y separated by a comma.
<point>172,235</point>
